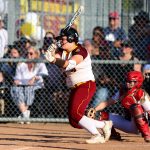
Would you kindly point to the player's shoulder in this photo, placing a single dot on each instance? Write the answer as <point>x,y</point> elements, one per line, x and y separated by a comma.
<point>80,50</point>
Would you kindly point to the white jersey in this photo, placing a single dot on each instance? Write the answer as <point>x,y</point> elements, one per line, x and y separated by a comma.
<point>82,71</point>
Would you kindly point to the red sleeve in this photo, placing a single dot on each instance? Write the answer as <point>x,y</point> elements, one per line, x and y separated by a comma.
<point>80,51</point>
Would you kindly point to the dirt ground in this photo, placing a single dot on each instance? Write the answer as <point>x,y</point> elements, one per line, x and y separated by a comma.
<point>60,136</point>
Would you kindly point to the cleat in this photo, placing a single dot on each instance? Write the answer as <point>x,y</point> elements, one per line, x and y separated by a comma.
<point>96,139</point>
<point>147,139</point>
<point>20,122</point>
<point>24,117</point>
<point>107,129</point>
<point>27,122</point>
<point>28,116</point>
<point>115,135</point>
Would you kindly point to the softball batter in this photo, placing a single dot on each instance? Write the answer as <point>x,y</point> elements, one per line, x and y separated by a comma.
<point>76,63</point>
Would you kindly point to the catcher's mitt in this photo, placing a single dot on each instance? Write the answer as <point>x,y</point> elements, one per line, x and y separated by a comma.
<point>91,113</point>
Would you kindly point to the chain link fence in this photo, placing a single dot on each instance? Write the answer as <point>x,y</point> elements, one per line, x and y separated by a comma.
<point>37,22</point>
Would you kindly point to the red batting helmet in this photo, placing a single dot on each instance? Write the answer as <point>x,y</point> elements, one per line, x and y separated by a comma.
<point>135,76</point>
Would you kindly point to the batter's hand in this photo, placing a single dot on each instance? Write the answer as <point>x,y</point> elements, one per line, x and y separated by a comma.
<point>91,113</point>
<point>50,53</point>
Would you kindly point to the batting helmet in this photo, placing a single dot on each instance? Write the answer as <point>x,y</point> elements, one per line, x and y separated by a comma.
<point>71,33</point>
<point>135,76</point>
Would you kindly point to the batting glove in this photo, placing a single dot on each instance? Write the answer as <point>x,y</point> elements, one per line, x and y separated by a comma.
<point>50,53</point>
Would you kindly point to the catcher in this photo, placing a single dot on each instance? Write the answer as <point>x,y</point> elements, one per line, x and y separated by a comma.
<point>136,103</point>
<point>76,63</point>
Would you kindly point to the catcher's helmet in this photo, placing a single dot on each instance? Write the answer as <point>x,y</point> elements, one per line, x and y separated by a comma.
<point>135,76</point>
<point>71,33</point>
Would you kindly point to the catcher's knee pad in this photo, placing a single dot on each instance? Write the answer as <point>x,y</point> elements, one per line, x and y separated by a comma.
<point>140,118</point>
<point>137,111</point>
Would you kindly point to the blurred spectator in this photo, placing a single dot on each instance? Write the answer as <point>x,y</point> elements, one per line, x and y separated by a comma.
<point>48,40</point>
<point>50,34</point>
<point>105,50</point>
<point>120,70</point>
<point>87,44</point>
<point>28,78</point>
<point>97,39</point>
<point>114,34</point>
<point>146,73</point>
<point>105,82</point>
<point>139,34</point>
<point>23,45</point>
<point>3,38</point>
<point>19,23</point>
<point>56,90</point>
<point>3,92</point>
<point>9,68</point>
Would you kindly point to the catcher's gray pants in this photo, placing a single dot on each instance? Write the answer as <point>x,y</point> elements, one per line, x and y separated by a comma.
<point>123,124</point>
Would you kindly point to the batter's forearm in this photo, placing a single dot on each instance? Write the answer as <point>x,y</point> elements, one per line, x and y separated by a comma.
<point>60,63</point>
